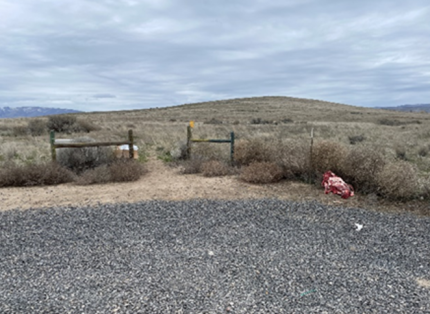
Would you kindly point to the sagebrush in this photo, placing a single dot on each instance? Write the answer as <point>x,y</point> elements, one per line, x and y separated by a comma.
<point>84,158</point>
<point>49,173</point>
<point>261,172</point>
<point>214,168</point>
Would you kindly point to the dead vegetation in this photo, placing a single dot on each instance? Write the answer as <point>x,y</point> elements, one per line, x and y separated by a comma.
<point>49,173</point>
<point>83,166</point>
<point>261,172</point>
<point>362,145</point>
<point>215,168</point>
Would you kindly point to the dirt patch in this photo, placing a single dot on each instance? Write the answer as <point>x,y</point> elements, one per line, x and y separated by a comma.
<point>163,182</point>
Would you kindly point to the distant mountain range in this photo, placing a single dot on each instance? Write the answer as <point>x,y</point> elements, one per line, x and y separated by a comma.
<point>22,112</point>
<point>409,108</point>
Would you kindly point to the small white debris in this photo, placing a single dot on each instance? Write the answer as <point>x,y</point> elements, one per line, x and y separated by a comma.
<point>211,253</point>
<point>359,227</point>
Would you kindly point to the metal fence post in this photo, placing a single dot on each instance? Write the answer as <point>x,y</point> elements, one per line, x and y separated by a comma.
<point>232,147</point>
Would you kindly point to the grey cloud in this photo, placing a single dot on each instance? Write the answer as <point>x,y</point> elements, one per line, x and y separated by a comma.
<point>159,53</point>
<point>100,96</point>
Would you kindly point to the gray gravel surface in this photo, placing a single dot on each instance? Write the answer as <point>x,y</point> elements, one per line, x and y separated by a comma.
<point>248,256</point>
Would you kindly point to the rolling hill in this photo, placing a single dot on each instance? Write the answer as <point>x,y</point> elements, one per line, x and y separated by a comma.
<point>266,109</point>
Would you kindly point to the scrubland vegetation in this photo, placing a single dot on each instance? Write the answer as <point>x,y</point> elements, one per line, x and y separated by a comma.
<point>83,166</point>
<point>378,151</point>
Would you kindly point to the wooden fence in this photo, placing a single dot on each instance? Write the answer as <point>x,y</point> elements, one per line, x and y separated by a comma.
<point>93,144</point>
<point>191,140</point>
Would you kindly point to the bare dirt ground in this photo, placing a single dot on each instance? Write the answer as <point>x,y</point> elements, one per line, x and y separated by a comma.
<point>163,182</point>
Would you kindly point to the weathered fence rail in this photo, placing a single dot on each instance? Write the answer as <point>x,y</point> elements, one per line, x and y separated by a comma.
<point>55,145</point>
<point>191,140</point>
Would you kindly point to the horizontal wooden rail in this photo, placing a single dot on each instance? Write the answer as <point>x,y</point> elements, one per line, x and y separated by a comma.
<point>92,144</point>
<point>54,145</point>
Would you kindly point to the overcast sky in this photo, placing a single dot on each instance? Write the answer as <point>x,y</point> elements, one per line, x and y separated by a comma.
<point>101,55</point>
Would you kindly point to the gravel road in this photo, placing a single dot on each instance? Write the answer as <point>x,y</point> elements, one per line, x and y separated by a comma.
<point>248,256</point>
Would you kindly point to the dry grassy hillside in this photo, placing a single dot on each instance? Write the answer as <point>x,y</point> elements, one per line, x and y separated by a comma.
<point>267,108</point>
<point>400,135</point>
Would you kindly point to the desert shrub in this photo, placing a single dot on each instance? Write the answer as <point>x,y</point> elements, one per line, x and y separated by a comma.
<point>61,123</point>
<point>4,129</point>
<point>259,121</point>
<point>12,174</point>
<point>255,150</point>
<point>356,139</point>
<point>423,151</point>
<point>48,174</point>
<point>398,181</point>
<point>10,150</point>
<point>125,170</point>
<point>191,166</point>
<point>86,126</point>
<point>179,151</point>
<point>210,151</point>
<point>425,189</point>
<point>81,159</point>
<point>70,124</point>
<point>393,122</point>
<point>400,152</point>
<point>37,127</point>
<point>94,176</point>
<point>214,168</point>
<point>287,120</point>
<point>389,122</point>
<point>328,155</point>
<point>261,172</point>
<point>122,170</point>
<point>293,157</point>
<point>19,130</point>
<point>361,166</point>
<point>213,121</point>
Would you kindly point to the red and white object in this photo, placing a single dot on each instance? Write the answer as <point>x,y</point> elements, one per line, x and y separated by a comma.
<point>334,184</point>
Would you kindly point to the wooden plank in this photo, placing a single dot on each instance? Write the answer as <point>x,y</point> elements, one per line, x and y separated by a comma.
<point>130,144</point>
<point>94,144</point>
<point>52,142</point>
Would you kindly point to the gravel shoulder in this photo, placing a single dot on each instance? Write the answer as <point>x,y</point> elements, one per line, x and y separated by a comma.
<point>213,256</point>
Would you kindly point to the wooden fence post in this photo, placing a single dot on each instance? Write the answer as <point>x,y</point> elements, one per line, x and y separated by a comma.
<point>130,144</point>
<point>52,141</point>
